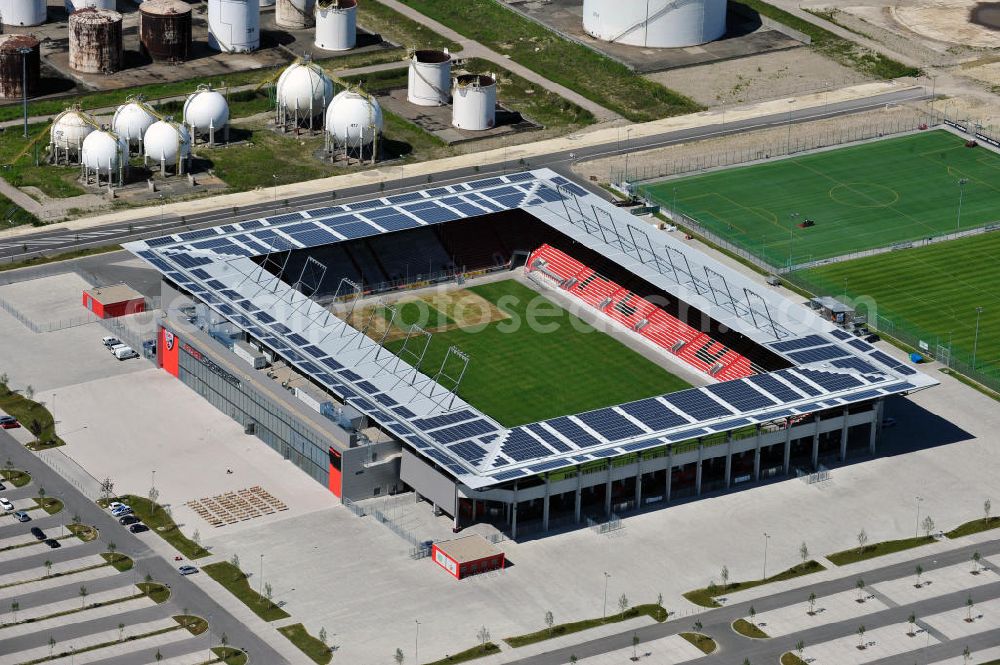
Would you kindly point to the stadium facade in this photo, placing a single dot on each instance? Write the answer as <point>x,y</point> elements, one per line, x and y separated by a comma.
<point>784,391</point>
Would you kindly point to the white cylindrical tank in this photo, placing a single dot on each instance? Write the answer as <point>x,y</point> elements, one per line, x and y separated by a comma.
<point>474,102</point>
<point>70,128</point>
<point>295,14</point>
<point>104,152</point>
<point>206,111</point>
<point>655,23</point>
<point>303,91</point>
<point>429,82</point>
<point>234,25</point>
<point>336,24</point>
<point>132,119</point>
<point>167,142</point>
<point>22,12</point>
<point>73,5</point>
<point>353,119</point>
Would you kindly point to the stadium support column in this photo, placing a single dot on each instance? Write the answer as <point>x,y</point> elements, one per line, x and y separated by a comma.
<point>513,515</point>
<point>729,459</point>
<point>545,504</point>
<point>670,470</point>
<point>788,445</point>
<point>607,492</point>
<point>578,499</point>
<point>697,473</point>
<point>756,456</point>
<point>638,482</point>
<point>876,425</point>
<point>815,452</point>
<point>843,437</point>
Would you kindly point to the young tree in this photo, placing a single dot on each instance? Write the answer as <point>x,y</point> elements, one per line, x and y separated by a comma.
<point>158,656</point>
<point>976,556</point>
<point>969,604</point>
<point>268,593</point>
<point>752,613</point>
<point>860,586</point>
<point>235,561</point>
<point>48,568</point>
<point>573,659</point>
<point>862,540</point>
<point>987,509</point>
<point>153,494</point>
<point>912,620</point>
<point>323,636</point>
<point>112,548</point>
<point>52,645</point>
<point>966,655</point>
<point>919,570</point>
<point>623,604</point>
<point>41,496</point>
<point>804,552</point>
<point>196,537</point>
<point>224,640</point>
<point>800,646</point>
<point>121,632</point>
<point>697,626</point>
<point>928,525</point>
<point>635,647</point>
<point>398,657</point>
<point>713,590</point>
<point>484,636</point>
<point>107,489</point>
<point>861,636</point>
<point>14,607</point>
<point>29,392</point>
<point>549,620</point>
<point>83,596</point>
<point>724,576</point>
<point>812,604</point>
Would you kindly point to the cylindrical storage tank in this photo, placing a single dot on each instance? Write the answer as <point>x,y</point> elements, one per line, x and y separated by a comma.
<point>234,25</point>
<point>165,30</point>
<point>73,5</point>
<point>20,62</point>
<point>132,119</point>
<point>206,111</point>
<point>336,24</point>
<point>303,92</point>
<point>474,102</point>
<point>104,152</point>
<point>429,82</point>
<point>656,23</point>
<point>95,41</point>
<point>353,119</point>
<point>69,130</point>
<point>295,14</point>
<point>167,143</point>
<point>22,12</point>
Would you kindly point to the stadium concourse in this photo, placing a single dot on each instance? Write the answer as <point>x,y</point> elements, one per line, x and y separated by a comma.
<point>251,310</point>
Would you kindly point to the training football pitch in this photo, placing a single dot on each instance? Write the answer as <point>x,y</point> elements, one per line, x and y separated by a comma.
<point>861,197</point>
<point>520,373</point>
<point>932,292</point>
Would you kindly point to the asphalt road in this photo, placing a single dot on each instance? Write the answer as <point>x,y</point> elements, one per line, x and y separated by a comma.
<point>161,221</point>
<point>184,594</point>
<point>734,648</point>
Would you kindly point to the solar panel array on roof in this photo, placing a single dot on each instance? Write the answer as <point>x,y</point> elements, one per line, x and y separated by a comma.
<point>741,395</point>
<point>818,354</point>
<point>575,434</point>
<point>828,380</point>
<point>840,334</point>
<point>697,405</point>
<point>653,414</point>
<point>609,424</point>
<point>799,343</point>
<point>548,437</point>
<point>774,387</point>
<point>520,446</point>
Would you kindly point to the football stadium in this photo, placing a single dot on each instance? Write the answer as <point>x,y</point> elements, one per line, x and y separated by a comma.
<point>515,350</point>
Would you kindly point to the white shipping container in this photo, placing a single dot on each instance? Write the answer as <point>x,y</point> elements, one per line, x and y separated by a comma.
<point>254,358</point>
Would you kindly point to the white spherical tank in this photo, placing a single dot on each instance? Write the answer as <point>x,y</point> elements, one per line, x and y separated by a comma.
<point>353,119</point>
<point>234,25</point>
<point>73,5</point>
<point>70,128</point>
<point>206,110</point>
<point>656,23</point>
<point>336,24</point>
<point>132,119</point>
<point>429,81</point>
<point>104,152</point>
<point>474,102</point>
<point>304,90</point>
<point>295,14</point>
<point>167,142</point>
<point>22,12</point>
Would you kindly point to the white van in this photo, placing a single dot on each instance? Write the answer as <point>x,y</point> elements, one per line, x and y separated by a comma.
<point>125,352</point>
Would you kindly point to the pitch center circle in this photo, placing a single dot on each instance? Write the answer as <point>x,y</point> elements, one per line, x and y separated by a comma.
<point>864,195</point>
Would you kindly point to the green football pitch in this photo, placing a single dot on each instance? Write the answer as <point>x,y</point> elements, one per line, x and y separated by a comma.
<point>931,292</point>
<point>865,196</point>
<point>519,373</point>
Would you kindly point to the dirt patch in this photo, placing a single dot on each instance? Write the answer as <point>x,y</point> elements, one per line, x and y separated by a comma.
<point>435,313</point>
<point>951,21</point>
<point>986,14</point>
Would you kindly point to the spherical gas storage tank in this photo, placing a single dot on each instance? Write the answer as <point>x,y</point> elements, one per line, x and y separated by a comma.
<point>295,14</point>
<point>69,130</point>
<point>95,41</point>
<point>303,90</point>
<point>168,143</point>
<point>104,152</point>
<point>429,81</point>
<point>206,111</point>
<point>73,5</point>
<point>353,119</point>
<point>234,25</point>
<point>474,102</point>
<point>20,60</point>
<point>132,119</point>
<point>165,30</point>
<point>656,23</point>
<point>22,12</point>
<point>336,24</point>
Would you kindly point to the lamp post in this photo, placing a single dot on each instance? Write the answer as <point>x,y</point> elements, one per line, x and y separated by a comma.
<point>416,644</point>
<point>975,341</point>
<point>604,612</point>
<point>260,585</point>
<point>961,195</point>
<point>791,236</point>
<point>24,51</point>
<point>152,482</point>
<point>766,539</point>
<point>628,144</point>
<point>274,191</point>
<point>916,529</point>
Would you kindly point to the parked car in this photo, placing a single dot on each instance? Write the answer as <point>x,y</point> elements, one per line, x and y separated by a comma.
<point>38,533</point>
<point>22,516</point>
<point>138,528</point>
<point>187,570</point>
<point>128,520</point>
<point>110,341</point>
<point>121,511</point>
<point>53,543</point>
<point>9,422</point>
<point>873,338</point>
<point>125,352</point>
<point>6,504</point>
<point>115,504</point>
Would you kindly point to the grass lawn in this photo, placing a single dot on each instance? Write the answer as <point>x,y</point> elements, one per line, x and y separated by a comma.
<point>30,414</point>
<point>477,651</point>
<point>596,77</point>
<point>791,659</point>
<point>975,526</point>
<point>650,609</point>
<point>747,629</point>
<point>194,624</point>
<point>860,197</point>
<point>82,531</point>
<point>119,561</point>
<point>235,581</point>
<point>15,477</point>
<point>706,597</point>
<point>49,505</point>
<point>518,375</point>
<point>158,593</point>
<point>160,523</point>
<point>933,294</point>
<point>309,645</point>
<point>703,642</point>
<point>229,656</point>
<point>856,554</point>
<point>398,29</point>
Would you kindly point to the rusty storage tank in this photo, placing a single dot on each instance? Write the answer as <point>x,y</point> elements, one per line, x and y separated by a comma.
<point>12,65</point>
<point>95,41</point>
<point>165,30</point>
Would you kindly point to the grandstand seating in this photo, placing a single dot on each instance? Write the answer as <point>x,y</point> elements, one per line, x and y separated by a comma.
<point>696,348</point>
<point>412,253</point>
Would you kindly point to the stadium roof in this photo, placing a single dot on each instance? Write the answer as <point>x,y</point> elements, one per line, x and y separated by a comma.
<point>832,368</point>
